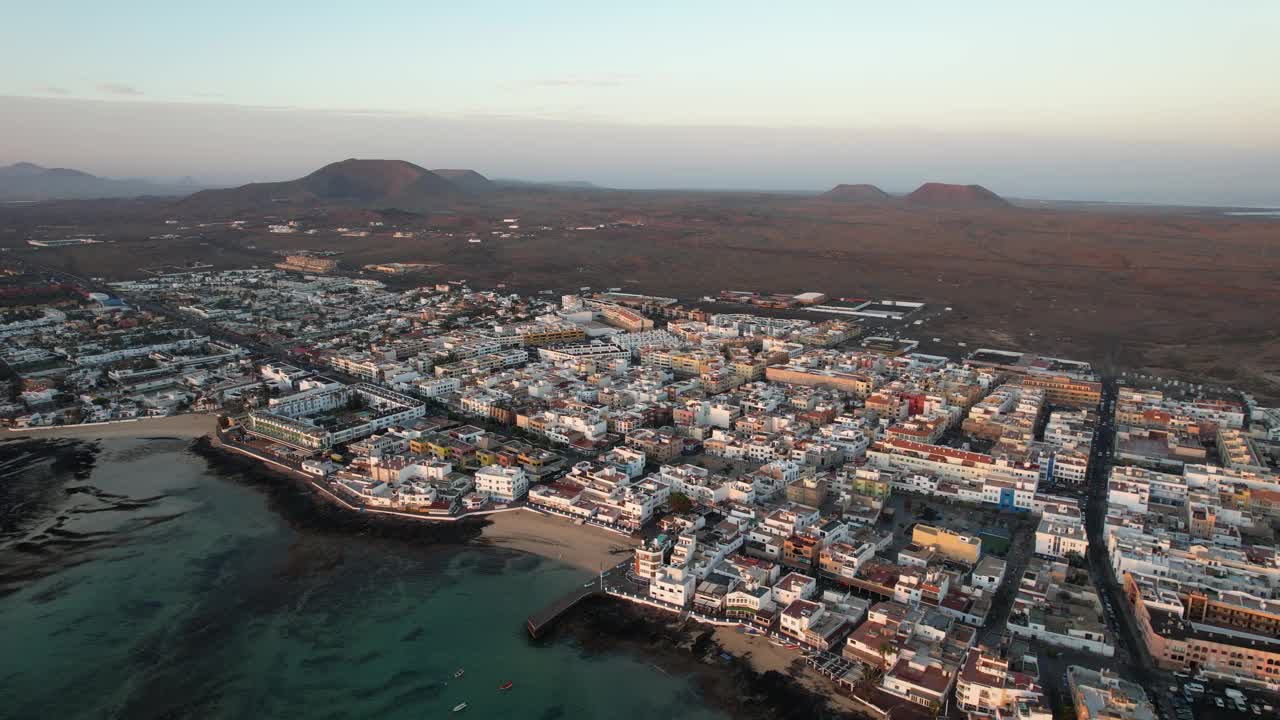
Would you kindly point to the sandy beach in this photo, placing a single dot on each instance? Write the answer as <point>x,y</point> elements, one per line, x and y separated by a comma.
<point>182,426</point>
<point>766,656</point>
<point>583,546</point>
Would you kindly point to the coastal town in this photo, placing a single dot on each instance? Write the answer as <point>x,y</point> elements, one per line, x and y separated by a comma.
<point>975,532</point>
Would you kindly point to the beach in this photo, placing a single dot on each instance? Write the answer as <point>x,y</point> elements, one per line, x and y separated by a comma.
<point>765,656</point>
<point>556,538</point>
<point>176,426</point>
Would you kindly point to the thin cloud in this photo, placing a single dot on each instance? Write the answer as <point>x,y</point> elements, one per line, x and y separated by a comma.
<point>114,88</point>
<point>600,81</point>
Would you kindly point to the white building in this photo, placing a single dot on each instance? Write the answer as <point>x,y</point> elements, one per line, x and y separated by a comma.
<point>673,585</point>
<point>502,483</point>
<point>1058,539</point>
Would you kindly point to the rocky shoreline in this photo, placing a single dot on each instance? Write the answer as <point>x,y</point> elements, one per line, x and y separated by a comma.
<point>597,626</point>
<point>604,625</point>
<point>303,508</point>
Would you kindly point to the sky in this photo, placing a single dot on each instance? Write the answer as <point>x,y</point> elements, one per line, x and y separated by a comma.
<point>1138,101</point>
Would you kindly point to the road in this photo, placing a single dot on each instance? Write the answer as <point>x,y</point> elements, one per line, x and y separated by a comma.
<point>1132,658</point>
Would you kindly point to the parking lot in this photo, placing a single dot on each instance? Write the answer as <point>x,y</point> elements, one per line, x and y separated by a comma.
<point>1190,698</point>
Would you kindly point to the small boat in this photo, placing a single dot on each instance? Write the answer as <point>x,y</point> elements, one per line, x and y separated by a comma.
<point>460,673</point>
<point>459,707</point>
<point>506,685</point>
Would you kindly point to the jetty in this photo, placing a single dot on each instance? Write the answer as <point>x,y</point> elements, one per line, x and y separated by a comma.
<point>545,618</point>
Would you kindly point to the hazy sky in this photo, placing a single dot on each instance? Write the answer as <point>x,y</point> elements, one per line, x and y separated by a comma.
<point>1132,100</point>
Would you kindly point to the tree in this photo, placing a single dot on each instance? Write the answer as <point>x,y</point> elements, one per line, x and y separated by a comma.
<point>355,402</point>
<point>680,502</point>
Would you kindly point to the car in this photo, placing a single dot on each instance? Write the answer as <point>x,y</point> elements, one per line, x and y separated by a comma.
<point>1218,701</point>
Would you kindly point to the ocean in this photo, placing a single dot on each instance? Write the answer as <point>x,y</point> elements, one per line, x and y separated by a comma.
<point>139,582</point>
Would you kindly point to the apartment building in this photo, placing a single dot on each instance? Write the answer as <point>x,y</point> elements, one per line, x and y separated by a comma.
<point>1103,695</point>
<point>1058,539</point>
<point>505,484</point>
<point>1227,636</point>
<point>1064,390</point>
<point>858,384</point>
<point>986,684</point>
<point>307,263</point>
<point>540,335</point>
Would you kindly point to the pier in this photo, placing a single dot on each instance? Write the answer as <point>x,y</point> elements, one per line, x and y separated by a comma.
<point>543,619</point>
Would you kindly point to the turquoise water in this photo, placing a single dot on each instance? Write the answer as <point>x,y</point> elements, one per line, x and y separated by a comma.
<point>196,599</point>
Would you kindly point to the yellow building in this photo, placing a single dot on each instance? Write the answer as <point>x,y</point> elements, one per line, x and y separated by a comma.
<point>961,548</point>
<point>538,336</point>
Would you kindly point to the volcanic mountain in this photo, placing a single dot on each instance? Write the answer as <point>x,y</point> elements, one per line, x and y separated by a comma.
<point>28,181</point>
<point>857,194</point>
<point>382,184</point>
<point>957,197</point>
<point>467,180</point>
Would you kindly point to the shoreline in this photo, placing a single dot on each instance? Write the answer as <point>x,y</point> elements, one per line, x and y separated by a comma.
<point>764,656</point>
<point>584,547</point>
<point>738,686</point>
<point>293,497</point>
<point>521,529</point>
<point>187,426</point>
<point>758,680</point>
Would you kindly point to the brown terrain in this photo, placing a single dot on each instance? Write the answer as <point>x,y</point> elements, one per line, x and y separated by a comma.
<point>377,183</point>
<point>467,180</point>
<point>862,194</point>
<point>956,197</point>
<point>1184,292</point>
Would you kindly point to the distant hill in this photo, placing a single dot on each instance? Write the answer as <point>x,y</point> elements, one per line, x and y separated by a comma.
<point>861,194</point>
<point>467,180</point>
<point>28,181</point>
<point>958,197</point>
<point>363,183</point>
